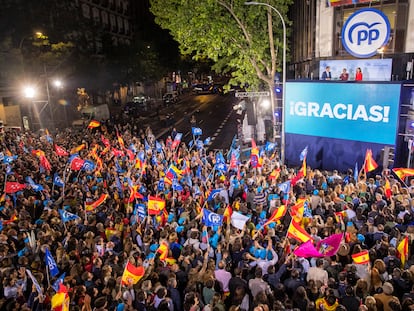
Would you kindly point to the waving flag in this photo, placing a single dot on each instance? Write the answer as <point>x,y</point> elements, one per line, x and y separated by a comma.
<point>197,131</point>
<point>94,124</point>
<point>274,174</point>
<point>207,140</point>
<point>61,300</point>
<point>163,251</point>
<point>58,281</point>
<point>297,210</point>
<point>307,250</point>
<point>173,172</point>
<point>402,173</point>
<point>387,188</point>
<point>51,263</point>
<point>211,219</point>
<point>303,154</point>
<point>158,146</point>
<point>57,180</point>
<point>9,159</point>
<point>284,187</point>
<point>255,160</point>
<point>38,152</point>
<point>369,163</point>
<point>270,146</point>
<point>44,162</point>
<point>177,140</point>
<point>66,216</point>
<point>402,250</point>
<point>361,258</point>
<point>105,141</point>
<point>35,282</point>
<point>60,151</point>
<point>238,220</point>
<point>155,205</point>
<point>14,186</point>
<point>76,164</point>
<point>132,274</point>
<point>33,185</point>
<point>91,206</point>
<point>276,215</point>
<point>297,232</point>
<point>77,149</point>
<point>88,165</point>
<point>356,172</point>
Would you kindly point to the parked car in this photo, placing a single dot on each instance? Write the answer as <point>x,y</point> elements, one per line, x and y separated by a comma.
<point>216,89</point>
<point>201,88</point>
<point>170,98</point>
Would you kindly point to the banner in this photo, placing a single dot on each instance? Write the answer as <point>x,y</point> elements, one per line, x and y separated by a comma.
<point>351,111</point>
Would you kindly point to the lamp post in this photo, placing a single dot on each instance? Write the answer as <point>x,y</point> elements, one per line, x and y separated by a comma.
<point>282,134</point>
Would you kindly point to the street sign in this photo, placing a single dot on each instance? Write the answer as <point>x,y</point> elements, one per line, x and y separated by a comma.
<point>252,94</point>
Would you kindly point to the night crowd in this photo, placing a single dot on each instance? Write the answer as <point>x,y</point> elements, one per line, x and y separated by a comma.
<point>198,267</point>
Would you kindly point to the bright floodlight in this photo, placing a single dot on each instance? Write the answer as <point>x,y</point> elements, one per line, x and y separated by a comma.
<point>57,83</point>
<point>29,92</point>
<point>265,103</point>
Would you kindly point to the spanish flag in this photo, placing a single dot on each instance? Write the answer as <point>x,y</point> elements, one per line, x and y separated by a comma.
<point>77,149</point>
<point>276,215</point>
<point>402,173</point>
<point>369,163</point>
<point>275,174</point>
<point>296,211</point>
<point>402,249</point>
<point>132,274</point>
<point>387,188</point>
<point>227,214</point>
<point>3,197</point>
<point>60,301</point>
<point>361,258</point>
<point>38,152</point>
<point>120,141</point>
<point>297,232</point>
<point>163,251</point>
<point>109,233</point>
<point>94,124</point>
<point>155,205</point>
<point>90,207</point>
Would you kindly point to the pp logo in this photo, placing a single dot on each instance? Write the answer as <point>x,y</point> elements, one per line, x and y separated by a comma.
<point>365,32</point>
<point>214,218</point>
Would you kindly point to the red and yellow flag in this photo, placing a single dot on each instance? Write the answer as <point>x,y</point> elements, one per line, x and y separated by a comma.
<point>402,251</point>
<point>77,149</point>
<point>227,214</point>
<point>94,124</point>
<point>369,163</point>
<point>361,258</point>
<point>297,232</point>
<point>91,206</point>
<point>402,173</point>
<point>276,215</point>
<point>387,188</point>
<point>163,251</point>
<point>132,274</point>
<point>155,205</point>
<point>275,174</point>
<point>38,152</point>
<point>296,211</point>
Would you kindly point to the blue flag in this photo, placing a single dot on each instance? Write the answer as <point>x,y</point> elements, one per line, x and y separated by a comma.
<point>197,131</point>
<point>57,180</point>
<point>8,170</point>
<point>72,157</point>
<point>88,165</point>
<point>303,154</point>
<point>66,216</point>
<point>51,263</point>
<point>356,172</point>
<point>141,155</point>
<point>177,186</point>
<point>58,281</point>
<point>34,186</point>
<point>9,159</point>
<point>158,146</point>
<point>269,146</point>
<point>207,140</point>
<point>191,143</point>
<point>211,219</point>
<point>132,148</point>
<point>213,194</point>
<point>200,144</point>
<point>285,187</point>
<point>161,184</point>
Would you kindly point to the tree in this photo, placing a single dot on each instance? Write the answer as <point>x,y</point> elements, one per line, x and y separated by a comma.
<point>241,40</point>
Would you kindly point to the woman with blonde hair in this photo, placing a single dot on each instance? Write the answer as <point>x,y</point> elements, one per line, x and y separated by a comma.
<point>378,274</point>
<point>371,303</point>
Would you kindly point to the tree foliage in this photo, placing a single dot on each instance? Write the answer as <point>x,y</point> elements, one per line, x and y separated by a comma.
<point>245,41</point>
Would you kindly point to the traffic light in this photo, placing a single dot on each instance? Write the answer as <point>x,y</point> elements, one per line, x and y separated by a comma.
<point>388,157</point>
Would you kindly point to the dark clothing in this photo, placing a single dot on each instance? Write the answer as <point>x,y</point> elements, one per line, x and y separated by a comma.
<point>351,303</point>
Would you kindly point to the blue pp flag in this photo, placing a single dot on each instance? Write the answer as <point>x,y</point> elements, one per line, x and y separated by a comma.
<point>285,187</point>
<point>270,146</point>
<point>161,184</point>
<point>200,144</point>
<point>51,263</point>
<point>57,180</point>
<point>177,186</point>
<point>58,281</point>
<point>66,216</point>
<point>88,165</point>
<point>303,154</point>
<point>197,131</point>
<point>207,140</point>
<point>34,186</point>
<point>158,146</point>
<point>9,159</point>
<point>211,219</point>
<point>213,194</point>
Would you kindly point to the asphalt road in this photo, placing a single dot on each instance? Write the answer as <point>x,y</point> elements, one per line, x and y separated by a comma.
<point>214,115</point>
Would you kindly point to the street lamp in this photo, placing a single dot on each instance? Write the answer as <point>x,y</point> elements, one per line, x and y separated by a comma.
<point>282,134</point>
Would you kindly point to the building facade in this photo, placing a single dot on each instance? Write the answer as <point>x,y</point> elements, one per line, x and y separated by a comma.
<point>317,35</point>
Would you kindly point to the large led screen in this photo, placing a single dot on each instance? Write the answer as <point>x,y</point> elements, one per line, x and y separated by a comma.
<point>364,112</point>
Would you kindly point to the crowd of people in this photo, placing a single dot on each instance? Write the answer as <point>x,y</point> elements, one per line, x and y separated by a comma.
<point>75,229</point>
